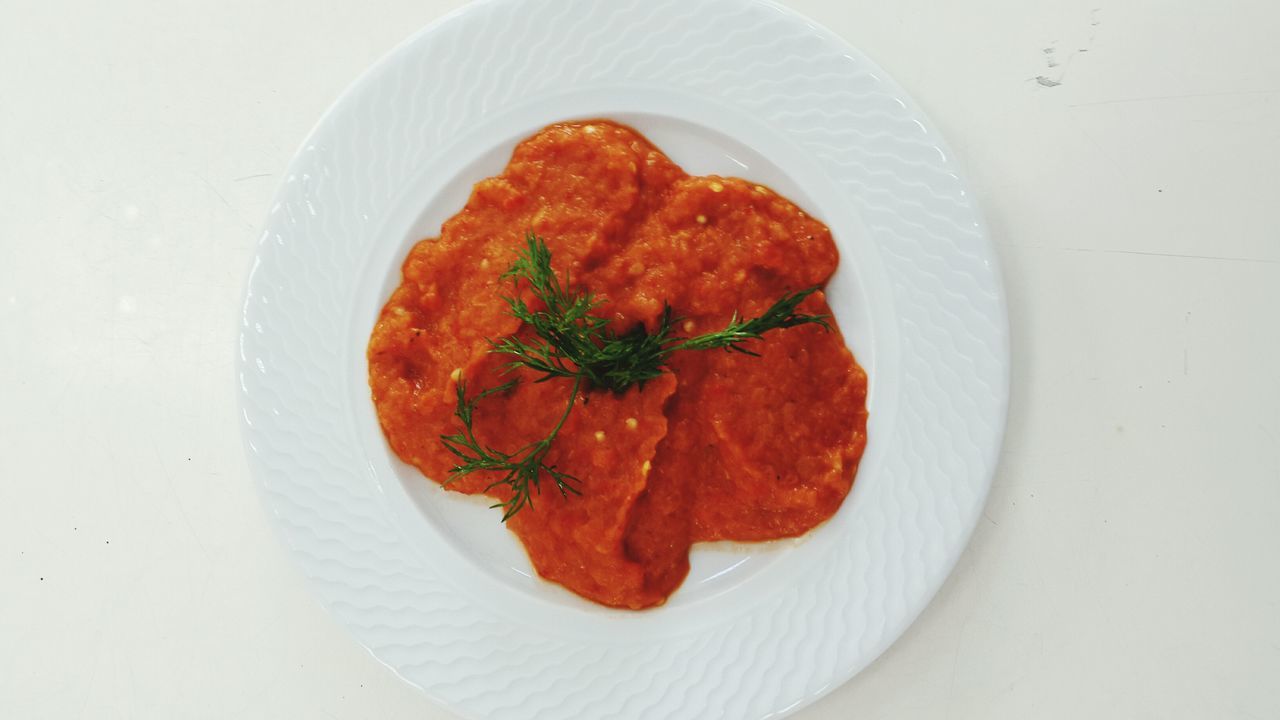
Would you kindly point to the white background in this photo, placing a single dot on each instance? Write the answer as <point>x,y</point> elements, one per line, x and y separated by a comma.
<point>1127,155</point>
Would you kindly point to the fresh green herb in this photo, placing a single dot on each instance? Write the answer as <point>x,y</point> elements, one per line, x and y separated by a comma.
<point>574,343</point>
<point>522,469</point>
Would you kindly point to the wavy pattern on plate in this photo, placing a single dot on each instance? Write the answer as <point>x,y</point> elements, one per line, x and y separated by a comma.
<point>791,646</point>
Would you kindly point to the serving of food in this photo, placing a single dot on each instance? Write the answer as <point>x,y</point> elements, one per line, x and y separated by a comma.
<point>547,360</point>
<point>626,359</point>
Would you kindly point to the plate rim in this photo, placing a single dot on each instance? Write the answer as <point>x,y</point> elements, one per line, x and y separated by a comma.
<point>955,549</point>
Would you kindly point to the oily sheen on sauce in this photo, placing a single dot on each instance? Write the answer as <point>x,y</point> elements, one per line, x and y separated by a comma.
<point>724,447</point>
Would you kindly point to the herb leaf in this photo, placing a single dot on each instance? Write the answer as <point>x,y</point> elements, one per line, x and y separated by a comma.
<point>522,470</point>
<point>782,314</point>
<point>574,343</point>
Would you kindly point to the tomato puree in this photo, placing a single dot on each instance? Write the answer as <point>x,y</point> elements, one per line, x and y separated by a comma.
<point>726,446</point>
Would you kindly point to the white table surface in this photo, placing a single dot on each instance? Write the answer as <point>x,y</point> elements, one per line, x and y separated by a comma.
<point>1127,155</point>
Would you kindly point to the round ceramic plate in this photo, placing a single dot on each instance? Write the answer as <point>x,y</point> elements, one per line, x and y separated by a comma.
<point>430,581</point>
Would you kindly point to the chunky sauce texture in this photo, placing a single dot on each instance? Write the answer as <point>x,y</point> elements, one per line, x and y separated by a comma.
<point>724,447</point>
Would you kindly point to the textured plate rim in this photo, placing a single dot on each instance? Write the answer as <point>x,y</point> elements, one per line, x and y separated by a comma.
<point>981,243</point>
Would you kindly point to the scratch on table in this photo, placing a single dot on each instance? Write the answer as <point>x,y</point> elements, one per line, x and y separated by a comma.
<point>1188,96</point>
<point>1221,258</point>
<point>1266,431</point>
<point>221,197</point>
<point>224,200</point>
<point>177,501</point>
<point>1109,158</point>
<point>955,661</point>
<point>242,178</point>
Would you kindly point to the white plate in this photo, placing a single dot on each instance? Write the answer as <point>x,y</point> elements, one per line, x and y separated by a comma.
<point>429,581</point>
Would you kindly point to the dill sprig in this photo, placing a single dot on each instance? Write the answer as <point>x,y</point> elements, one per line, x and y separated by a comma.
<point>781,314</point>
<point>572,342</point>
<point>523,469</point>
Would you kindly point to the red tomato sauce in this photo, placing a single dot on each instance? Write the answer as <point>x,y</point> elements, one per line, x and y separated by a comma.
<point>724,447</point>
